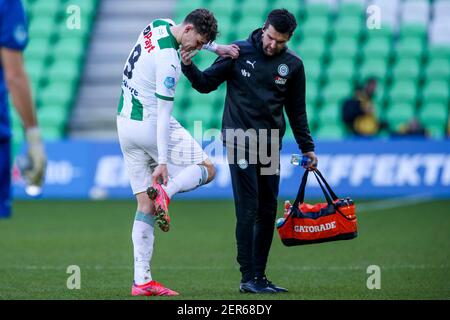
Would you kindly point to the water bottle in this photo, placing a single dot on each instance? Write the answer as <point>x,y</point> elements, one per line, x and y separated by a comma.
<point>280,222</point>
<point>298,159</point>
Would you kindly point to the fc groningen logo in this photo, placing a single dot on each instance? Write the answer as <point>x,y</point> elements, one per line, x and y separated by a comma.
<point>283,70</point>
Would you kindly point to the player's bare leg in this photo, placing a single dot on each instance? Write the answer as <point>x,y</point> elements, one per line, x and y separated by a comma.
<point>188,179</point>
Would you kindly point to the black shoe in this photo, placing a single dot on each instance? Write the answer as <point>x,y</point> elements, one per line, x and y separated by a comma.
<point>273,286</point>
<point>255,286</point>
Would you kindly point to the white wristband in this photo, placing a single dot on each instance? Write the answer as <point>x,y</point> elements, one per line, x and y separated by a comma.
<point>210,46</point>
<point>33,136</point>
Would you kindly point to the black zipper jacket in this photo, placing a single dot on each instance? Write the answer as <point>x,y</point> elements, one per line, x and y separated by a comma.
<point>258,86</point>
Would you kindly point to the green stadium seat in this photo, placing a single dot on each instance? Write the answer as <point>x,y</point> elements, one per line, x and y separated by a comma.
<point>254,8</point>
<point>403,92</point>
<point>37,49</point>
<point>436,91</point>
<point>35,69</point>
<point>315,26</point>
<point>311,112</point>
<point>398,114</point>
<point>312,91</point>
<point>313,70</point>
<point>185,6</point>
<point>385,32</point>
<point>410,31</point>
<point>375,67</point>
<point>52,116</point>
<point>295,7</point>
<point>69,48</point>
<point>380,95</point>
<point>221,8</point>
<point>438,52</point>
<point>330,113</point>
<point>52,133</point>
<point>311,47</point>
<point>351,10</point>
<point>344,47</point>
<point>343,69</point>
<point>377,47</point>
<point>437,69</point>
<point>59,94</point>
<point>47,8</point>
<point>317,10</point>
<point>434,114</point>
<point>81,34</point>
<point>409,48</point>
<point>331,131</point>
<point>18,134</point>
<point>203,113</point>
<point>64,70</point>
<point>87,7</point>
<point>42,27</point>
<point>348,26</point>
<point>247,25</point>
<point>335,92</point>
<point>406,69</point>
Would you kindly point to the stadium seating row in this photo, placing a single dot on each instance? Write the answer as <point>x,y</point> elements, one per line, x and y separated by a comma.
<point>338,50</point>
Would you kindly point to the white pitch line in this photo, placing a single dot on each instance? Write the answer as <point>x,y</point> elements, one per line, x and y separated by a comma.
<point>200,268</point>
<point>393,203</point>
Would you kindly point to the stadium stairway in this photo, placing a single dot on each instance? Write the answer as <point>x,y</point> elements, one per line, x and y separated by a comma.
<point>116,29</point>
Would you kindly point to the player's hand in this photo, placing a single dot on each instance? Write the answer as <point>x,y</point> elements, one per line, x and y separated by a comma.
<point>160,175</point>
<point>228,51</point>
<point>312,163</point>
<point>186,56</point>
<point>35,173</point>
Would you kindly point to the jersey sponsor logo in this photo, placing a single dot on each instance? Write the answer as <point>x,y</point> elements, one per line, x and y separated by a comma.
<point>283,70</point>
<point>245,73</point>
<point>280,80</point>
<point>169,82</point>
<point>132,90</point>
<point>313,229</point>
<point>148,42</point>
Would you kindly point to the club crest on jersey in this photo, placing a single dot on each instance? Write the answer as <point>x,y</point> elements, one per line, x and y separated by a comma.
<point>20,34</point>
<point>283,70</point>
<point>243,164</point>
<point>169,82</point>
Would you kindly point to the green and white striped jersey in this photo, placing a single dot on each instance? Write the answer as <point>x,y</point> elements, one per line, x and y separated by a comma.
<point>151,72</point>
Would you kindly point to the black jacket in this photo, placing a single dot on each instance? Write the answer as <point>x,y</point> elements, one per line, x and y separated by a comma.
<point>258,86</point>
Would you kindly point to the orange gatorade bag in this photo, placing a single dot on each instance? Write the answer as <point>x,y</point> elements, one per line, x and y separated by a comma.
<point>305,223</point>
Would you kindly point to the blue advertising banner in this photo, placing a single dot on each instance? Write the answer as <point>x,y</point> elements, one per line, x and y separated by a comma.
<point>356,168</point>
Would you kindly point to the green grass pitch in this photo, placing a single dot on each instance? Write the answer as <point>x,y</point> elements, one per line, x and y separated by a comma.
<point>410,244</point>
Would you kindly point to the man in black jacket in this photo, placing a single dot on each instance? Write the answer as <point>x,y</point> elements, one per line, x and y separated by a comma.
<point>265,77</point>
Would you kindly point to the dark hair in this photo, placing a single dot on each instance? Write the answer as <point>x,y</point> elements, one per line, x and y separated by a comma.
<point>282,20</point>
<point>204,23</point>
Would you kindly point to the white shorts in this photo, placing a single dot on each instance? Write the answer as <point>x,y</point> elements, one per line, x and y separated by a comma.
<point>138,143</point>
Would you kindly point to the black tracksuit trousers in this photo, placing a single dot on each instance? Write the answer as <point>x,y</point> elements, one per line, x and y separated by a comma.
<point>255,198</point>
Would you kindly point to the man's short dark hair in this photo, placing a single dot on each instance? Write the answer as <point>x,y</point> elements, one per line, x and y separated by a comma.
<point>204,23</point>
<point>282,20</point>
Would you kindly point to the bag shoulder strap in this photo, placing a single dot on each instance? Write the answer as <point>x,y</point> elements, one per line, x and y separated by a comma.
<point>301,191</point>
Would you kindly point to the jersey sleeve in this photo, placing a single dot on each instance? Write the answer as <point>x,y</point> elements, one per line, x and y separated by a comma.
<point>13,25</point>
<point>167,74</point>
